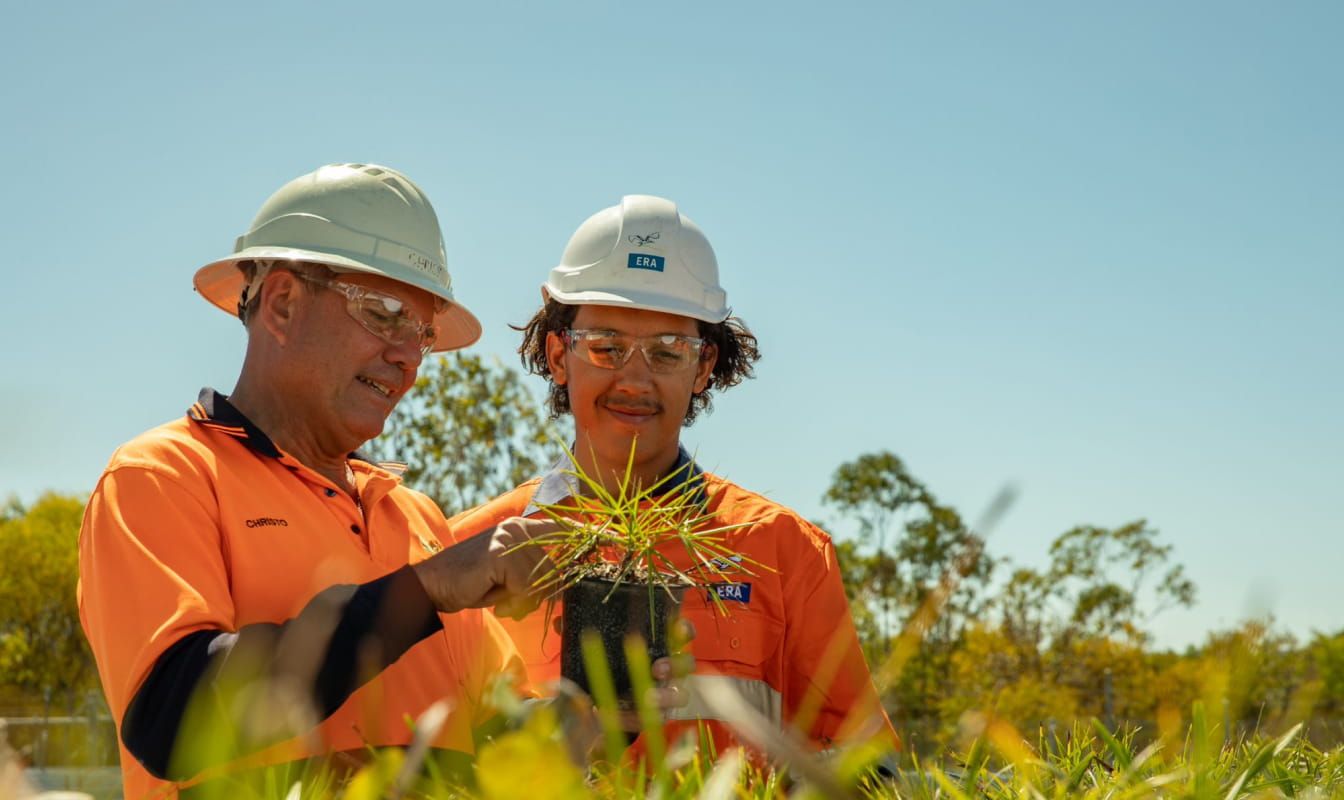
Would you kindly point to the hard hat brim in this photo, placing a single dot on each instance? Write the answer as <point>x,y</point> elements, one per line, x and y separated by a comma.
<point>645,301</point>
<point>221,283</point>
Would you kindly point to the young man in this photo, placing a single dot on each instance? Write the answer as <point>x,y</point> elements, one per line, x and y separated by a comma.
<point>633,336</point>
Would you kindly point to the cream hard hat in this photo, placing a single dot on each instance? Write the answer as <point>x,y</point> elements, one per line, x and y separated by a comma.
<point>352,218</point>
<point>644,254</point>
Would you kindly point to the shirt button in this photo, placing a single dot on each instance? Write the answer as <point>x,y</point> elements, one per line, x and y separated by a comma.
<point>331,493</point>
<point>735,642</point>
<point>355,529</point>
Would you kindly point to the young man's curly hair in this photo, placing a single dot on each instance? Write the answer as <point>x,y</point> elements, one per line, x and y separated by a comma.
<point>735,344</point>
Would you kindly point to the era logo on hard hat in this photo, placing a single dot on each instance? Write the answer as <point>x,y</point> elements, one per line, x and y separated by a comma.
<point>735,592</point>
<point>643,241</point>
<point>643,261</point>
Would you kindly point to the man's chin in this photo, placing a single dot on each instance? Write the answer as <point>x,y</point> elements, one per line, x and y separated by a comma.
<point>365,430</point>
<point>616,448</point>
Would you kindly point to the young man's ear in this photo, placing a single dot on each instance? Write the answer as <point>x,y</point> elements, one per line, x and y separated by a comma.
<point>705,369</point>
<point>555,358</point>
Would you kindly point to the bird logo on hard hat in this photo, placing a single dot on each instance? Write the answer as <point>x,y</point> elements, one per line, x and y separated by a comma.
<point>643,241</point>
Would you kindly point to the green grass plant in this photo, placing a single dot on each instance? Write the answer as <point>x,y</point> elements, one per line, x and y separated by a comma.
<point>530,762</point>
<point>624,534</point>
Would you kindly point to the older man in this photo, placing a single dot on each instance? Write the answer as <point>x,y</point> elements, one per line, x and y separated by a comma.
<point>248,545</point>
<point>634,334</point>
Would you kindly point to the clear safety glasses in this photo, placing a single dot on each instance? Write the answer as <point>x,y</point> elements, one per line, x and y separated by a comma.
<point>664,353</point>
<point>383,315</point>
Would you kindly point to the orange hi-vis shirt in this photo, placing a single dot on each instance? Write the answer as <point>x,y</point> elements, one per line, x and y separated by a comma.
<point>203,524</point>
<point>787,646</point>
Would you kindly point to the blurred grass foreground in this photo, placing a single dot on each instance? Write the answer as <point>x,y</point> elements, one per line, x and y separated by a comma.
<point>530,758</point>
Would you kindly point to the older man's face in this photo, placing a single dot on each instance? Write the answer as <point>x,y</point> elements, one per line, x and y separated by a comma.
<point>347,378</point>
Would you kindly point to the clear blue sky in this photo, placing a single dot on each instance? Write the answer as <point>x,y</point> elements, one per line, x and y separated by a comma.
<point>1096,251</point>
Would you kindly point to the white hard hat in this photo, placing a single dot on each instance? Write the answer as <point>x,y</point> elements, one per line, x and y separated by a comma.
<point>352,218</point>
<point>640,254</point>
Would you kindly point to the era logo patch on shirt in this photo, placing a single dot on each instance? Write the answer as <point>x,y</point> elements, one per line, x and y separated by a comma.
<point>645,261</point>
<point>734,592</point>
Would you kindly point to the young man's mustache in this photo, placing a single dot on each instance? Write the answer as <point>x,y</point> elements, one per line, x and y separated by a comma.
<point>651,407</point>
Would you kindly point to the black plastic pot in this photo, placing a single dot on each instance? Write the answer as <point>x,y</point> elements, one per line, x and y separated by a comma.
<point>625,611</point>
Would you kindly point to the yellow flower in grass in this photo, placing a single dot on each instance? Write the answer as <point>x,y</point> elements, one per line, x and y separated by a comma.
<point>529,764</point>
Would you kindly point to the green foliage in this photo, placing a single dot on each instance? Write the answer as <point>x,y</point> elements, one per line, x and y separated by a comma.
<point>1326,665</point>
<point>622,534</point>
<point>993,673</point>
<point>42,648</point>
<point>1095,586</point>
<point>1256,680</point>
<point>915,560</point>
<point>1090,761</point>
<point>898,570</point>
<point>530,759</point>
<point>862,583</point>
<point>468,431</point>
<point>1048,646</point>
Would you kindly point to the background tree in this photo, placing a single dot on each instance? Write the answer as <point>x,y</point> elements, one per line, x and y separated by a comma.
<point>864,573</point>
<point>1326,654</point>
<point>909,541</point>
<point>42,648</point>
<point>993,673</point>
<point>468,431</point>
<point>1325,663</point>
<point>908,544</point>
<point>1070,638</point>
<point>1101,582</point>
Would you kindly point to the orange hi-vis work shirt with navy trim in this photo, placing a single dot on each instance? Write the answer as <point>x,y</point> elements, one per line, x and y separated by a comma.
<point>202,524</point>
<point>788,645</point>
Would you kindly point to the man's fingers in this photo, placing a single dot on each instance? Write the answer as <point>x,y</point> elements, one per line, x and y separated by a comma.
<point>485,569</point>
<point>517,567</point>
<point>517,530</point>
<point>662,669</point>
<point>513,606</point>
<point>673,666</point>
<point>630,723</point>
<point>687,628</point>
<point>668,697</point>
<point>680,634</point>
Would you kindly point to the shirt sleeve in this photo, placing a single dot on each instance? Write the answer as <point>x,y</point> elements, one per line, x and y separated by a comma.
<point>494,654</point>
<point>828,687</point>
<point>498,658</point>
<point>186,631</point>
<point>151,572</point>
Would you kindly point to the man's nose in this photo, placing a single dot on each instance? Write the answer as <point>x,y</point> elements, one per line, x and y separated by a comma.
<point>406,355</point>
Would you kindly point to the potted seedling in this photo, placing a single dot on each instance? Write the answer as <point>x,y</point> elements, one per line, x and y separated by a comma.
<point>621,562</point>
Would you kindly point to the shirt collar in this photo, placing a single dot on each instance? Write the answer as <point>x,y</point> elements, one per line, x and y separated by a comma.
<point>559,482</point>
<point>214,411</point>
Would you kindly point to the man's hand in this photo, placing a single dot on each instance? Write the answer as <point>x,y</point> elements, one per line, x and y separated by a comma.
<point>669,676</point>
<point>489,569</point>
<point>669,672</point>
<point>668,692</point>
